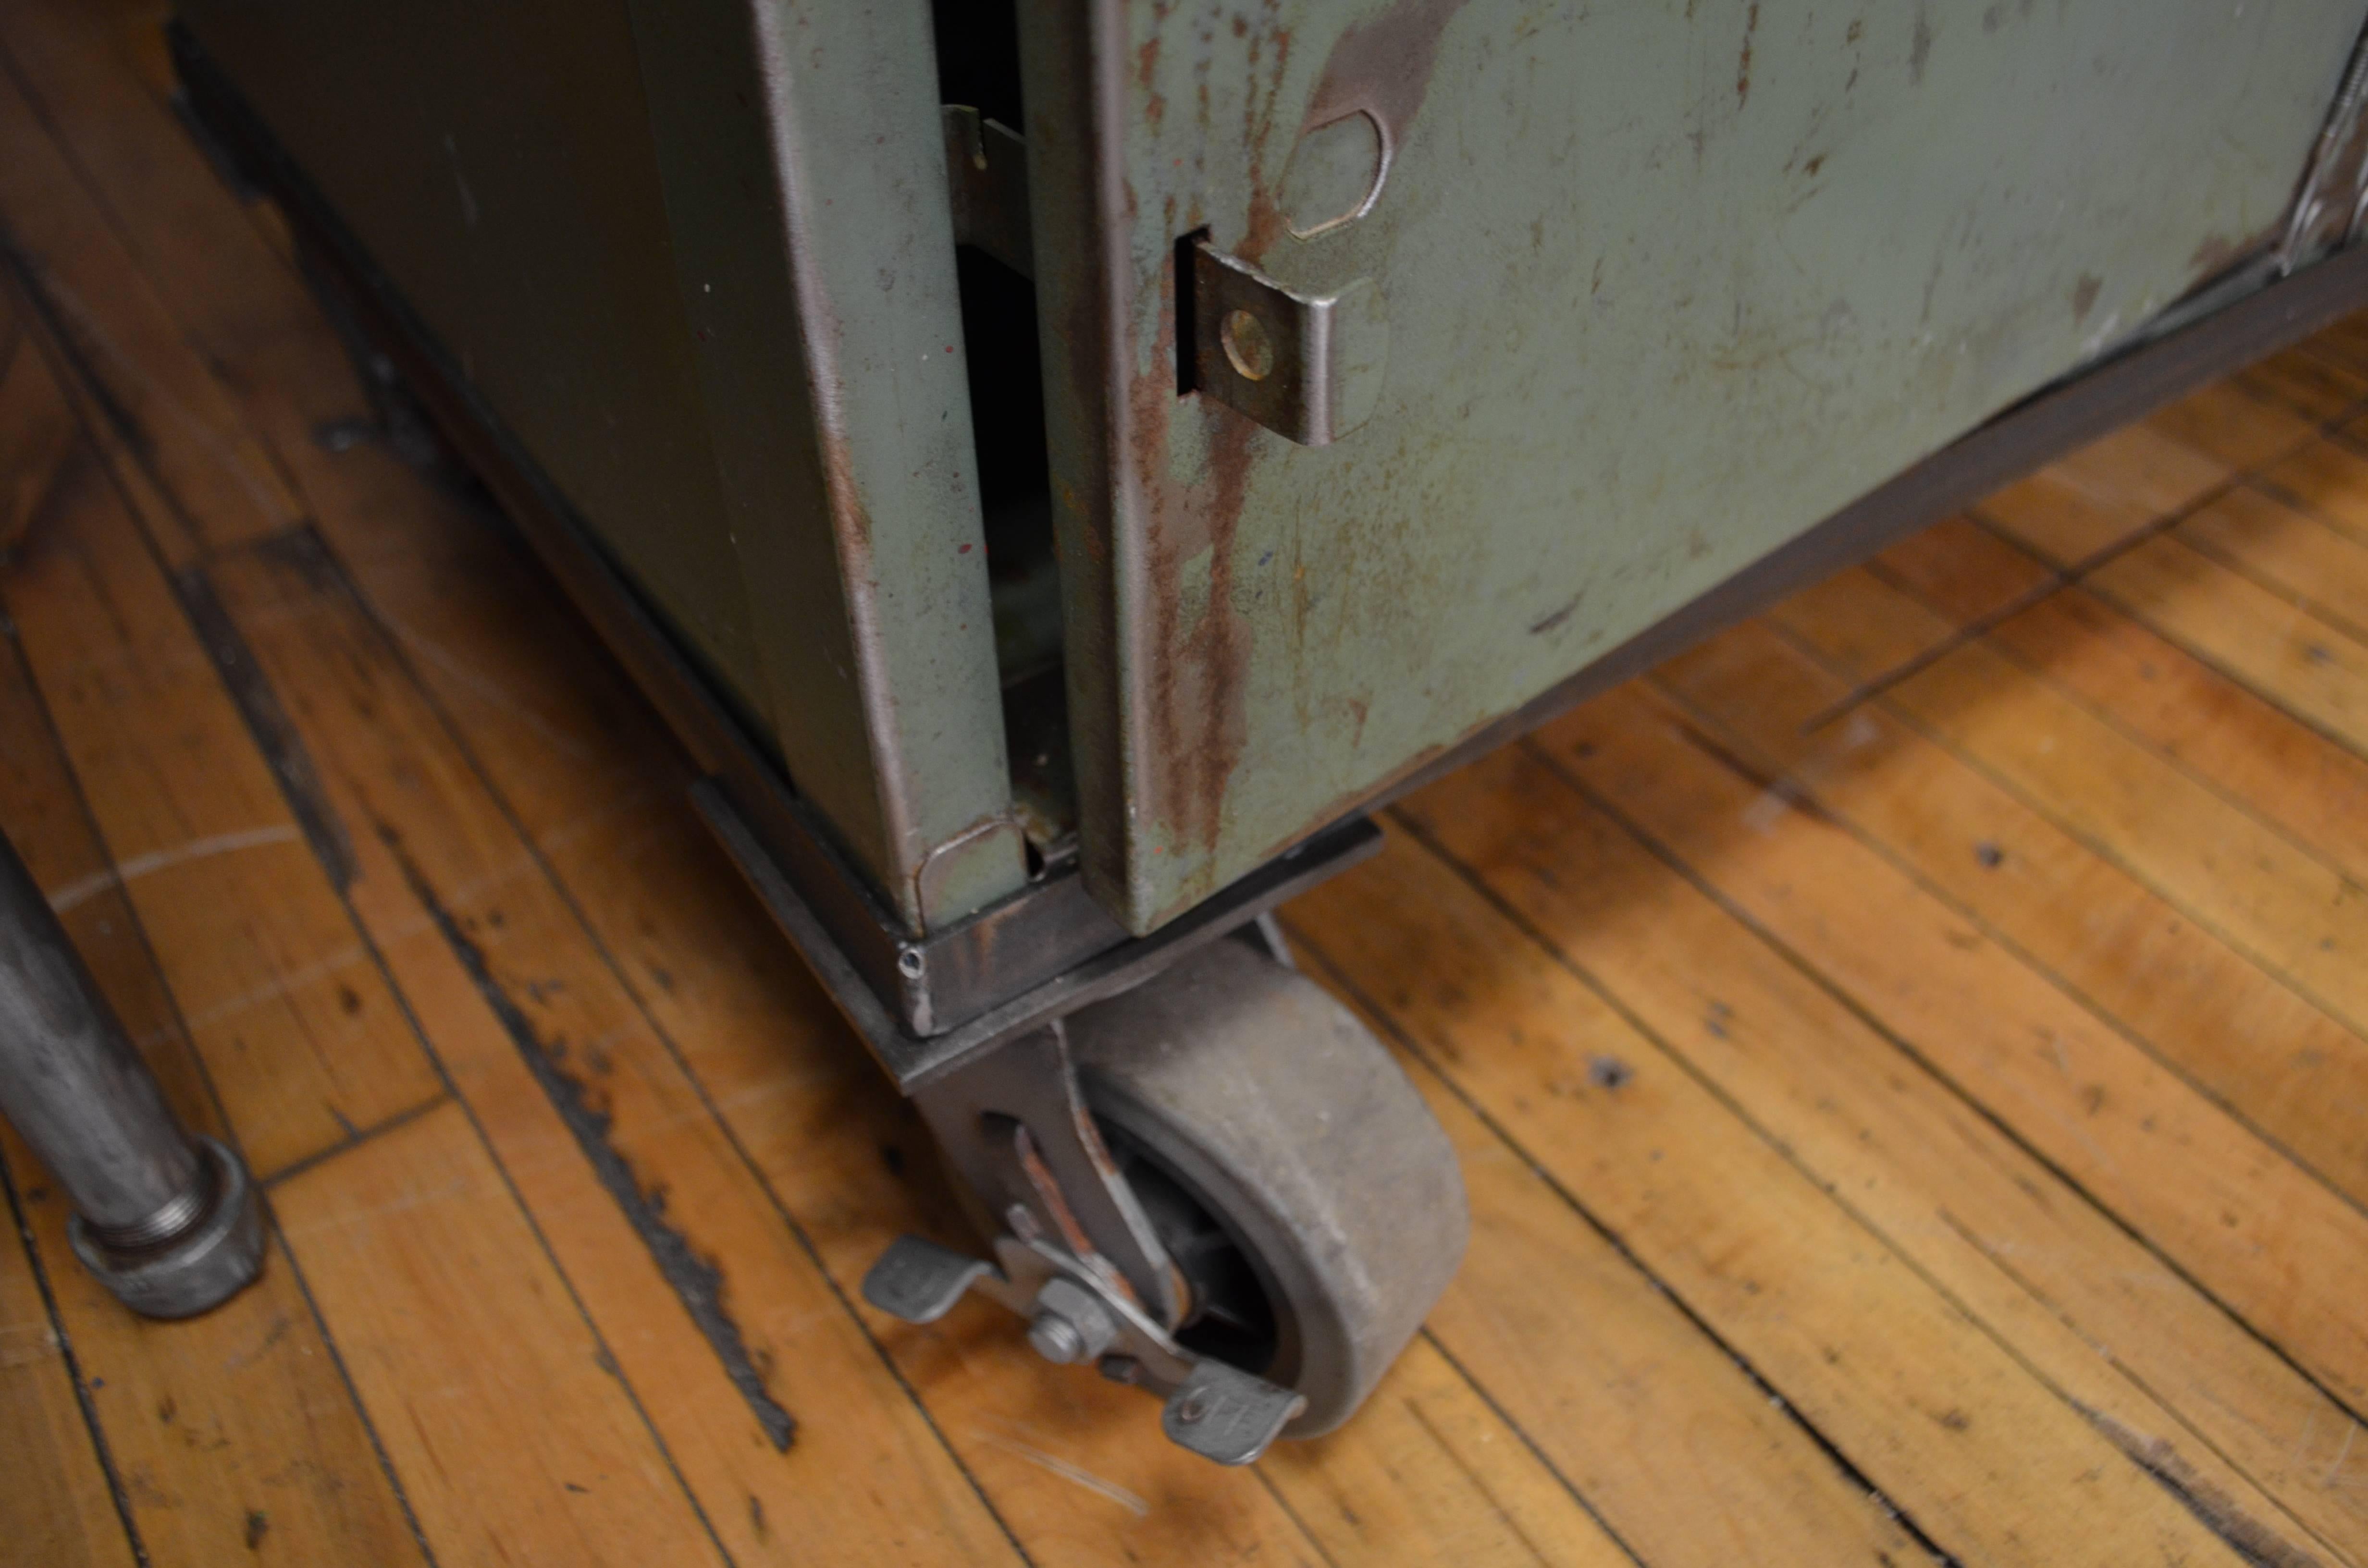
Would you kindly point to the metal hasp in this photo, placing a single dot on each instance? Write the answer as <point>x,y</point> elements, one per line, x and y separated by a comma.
<point>170,1224</point>
<point>1307,365</point>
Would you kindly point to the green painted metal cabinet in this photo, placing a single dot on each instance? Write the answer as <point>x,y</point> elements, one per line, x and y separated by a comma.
<point>1259,401</point>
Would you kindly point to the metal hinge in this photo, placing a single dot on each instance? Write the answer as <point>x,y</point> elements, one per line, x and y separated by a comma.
<point>1306,365</point>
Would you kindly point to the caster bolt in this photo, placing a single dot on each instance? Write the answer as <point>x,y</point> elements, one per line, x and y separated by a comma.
<point>1056,1338</point>
<point>1070,1326</point>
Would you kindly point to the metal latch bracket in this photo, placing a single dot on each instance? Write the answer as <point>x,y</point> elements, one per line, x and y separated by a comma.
<point>986,182</point>
<point>1306,365</point>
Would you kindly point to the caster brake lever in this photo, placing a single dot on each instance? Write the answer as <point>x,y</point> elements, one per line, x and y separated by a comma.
<point>1215,1410</point>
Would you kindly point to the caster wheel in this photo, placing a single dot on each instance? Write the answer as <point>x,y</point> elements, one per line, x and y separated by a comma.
<point>1297,1178</point>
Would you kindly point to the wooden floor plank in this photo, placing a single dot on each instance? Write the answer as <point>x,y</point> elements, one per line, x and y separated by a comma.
<point>2327,479</point>
<point>503,1413</point>
<point>134,760</point>
<point>2151,690</point>
<point>2288,551</point>
<point>2262,1235</point>
<point>2103,925</point>
<point>2344,343</point>
<point>2284,906</point>
<point>305,1040</point>
<point>1993,1465</point>
<point>102,307</point>
<point>2311,669</point>
<point>2233,423</point>
<point>1400,1482</point>
<point>220,1421</point>
<point>2293,660</point>
<point>528,1016</point>
<point>2305,379</point>
<point>2106,492</point>
<point>2024,1253</point>
<point>1589,1355</point>
<point>37,428</point>
<point>58,1506</point>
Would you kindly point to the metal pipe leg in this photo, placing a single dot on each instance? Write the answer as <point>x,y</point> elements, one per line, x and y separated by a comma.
<point>170,1223</point>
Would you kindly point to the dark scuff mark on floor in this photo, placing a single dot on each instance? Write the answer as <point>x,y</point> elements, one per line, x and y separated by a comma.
<point>52,329</point>
<point>2247,1537</point>
<point>275,734</point>
<point>698,1283</point>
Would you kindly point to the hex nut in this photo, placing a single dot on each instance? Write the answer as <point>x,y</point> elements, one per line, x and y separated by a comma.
<point>203,1267</point>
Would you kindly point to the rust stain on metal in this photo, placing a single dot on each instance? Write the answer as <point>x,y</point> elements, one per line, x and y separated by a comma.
<point>1198,704</point>
<point>1147,72</point>
<point>2218,251</point>
<point>849,521</point>
<point>1064,1218</point>
<point>1267,223</point>
<point>1382,68</point>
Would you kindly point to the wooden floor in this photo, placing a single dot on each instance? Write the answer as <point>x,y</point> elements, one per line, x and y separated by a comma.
<point>1932,1127</point>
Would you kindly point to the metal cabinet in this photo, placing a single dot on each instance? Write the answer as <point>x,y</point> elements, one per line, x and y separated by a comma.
<point>1057,462</point>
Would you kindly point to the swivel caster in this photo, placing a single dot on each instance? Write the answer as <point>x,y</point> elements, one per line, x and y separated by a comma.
<point>1306,1201</point>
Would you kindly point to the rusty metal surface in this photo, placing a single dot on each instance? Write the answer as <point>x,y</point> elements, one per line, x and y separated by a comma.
<point>1665,284</point>
<point>697,258</point>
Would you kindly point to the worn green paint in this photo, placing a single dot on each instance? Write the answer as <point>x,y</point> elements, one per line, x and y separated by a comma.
<point>697,258</point>
<point>1667,284</point>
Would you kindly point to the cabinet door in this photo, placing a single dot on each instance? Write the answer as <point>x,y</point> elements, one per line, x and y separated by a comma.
<point>696,261</point>
<point>1629,295</point>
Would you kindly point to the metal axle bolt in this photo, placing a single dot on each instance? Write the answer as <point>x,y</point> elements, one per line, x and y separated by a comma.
<point>1056,1339</point>
<point>1070,1325</point>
